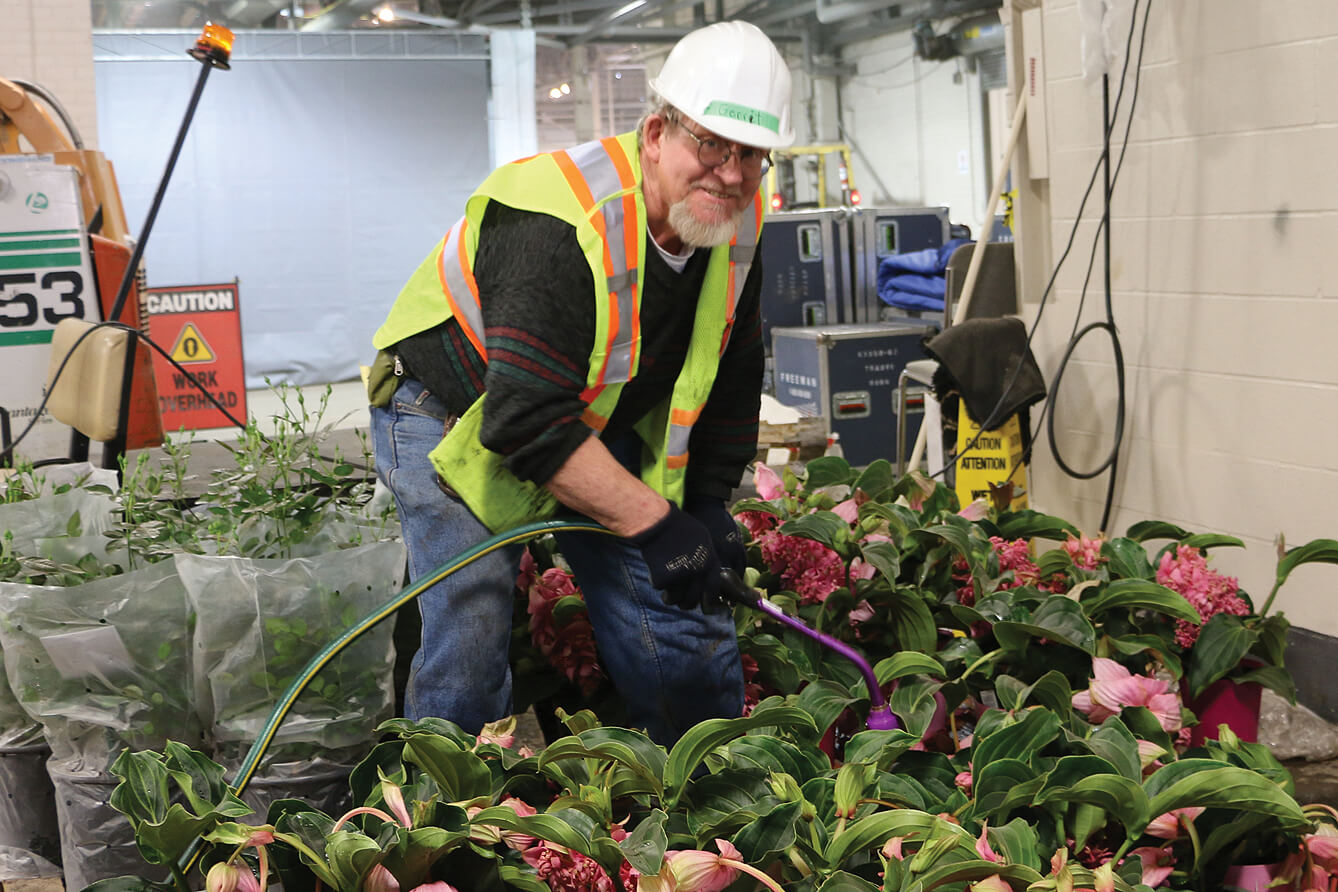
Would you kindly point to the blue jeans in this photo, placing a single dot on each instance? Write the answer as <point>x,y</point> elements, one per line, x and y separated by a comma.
<point>672,667</point>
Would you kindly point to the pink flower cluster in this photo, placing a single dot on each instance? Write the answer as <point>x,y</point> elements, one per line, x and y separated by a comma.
<point>571,648</point>
<point>1013,555</point>
<point>1208,591</point>
<point>810,568</point>
<point>1085,553</point>
<point>567,871</point>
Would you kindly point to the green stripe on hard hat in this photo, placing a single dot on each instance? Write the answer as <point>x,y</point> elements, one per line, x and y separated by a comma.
<point>743,113</point>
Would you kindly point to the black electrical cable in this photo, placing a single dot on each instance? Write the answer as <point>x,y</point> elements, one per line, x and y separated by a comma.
<point>1068,247</point>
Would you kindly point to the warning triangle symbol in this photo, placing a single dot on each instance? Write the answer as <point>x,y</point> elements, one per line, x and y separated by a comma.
<point>191,346</point>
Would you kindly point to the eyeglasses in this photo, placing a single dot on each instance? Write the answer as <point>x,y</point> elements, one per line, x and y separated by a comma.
<point>712,153</point>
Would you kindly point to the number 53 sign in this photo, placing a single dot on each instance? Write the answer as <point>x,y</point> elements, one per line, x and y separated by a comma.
<point>46,275</point>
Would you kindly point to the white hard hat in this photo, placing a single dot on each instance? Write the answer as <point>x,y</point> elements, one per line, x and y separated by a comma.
<point>730,79</point>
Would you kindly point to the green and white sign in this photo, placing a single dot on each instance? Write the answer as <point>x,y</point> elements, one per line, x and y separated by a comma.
<point>46,275</point>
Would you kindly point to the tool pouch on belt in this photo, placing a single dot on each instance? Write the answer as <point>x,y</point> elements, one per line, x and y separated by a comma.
<point>382,382</point>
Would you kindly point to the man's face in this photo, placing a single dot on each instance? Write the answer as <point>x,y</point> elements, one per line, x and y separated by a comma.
<point>702,203</point>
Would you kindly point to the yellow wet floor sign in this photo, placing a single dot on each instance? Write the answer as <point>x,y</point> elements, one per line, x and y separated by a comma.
<point>990,462</point>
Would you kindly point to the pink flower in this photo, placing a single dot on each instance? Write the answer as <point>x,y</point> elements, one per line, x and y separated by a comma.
<point>394,797</point>
<point>1208,591</point>
<point>1115,687</point>
<point>976,511</point>
<point>810,568</point>
<point>757,522</point>
<point>1014,557</point>
<point>379,879</point>
<point>983,844</point>
<point>892,849</point>
<point>501,732</point>
<point>1168,826</point>
<point>847,511</point>
<point>964,780</point>
<point>752,691</point>
<point>571,648</point>
<point>438,886</point>
<point>567,871</point>
<point>767,482</point>
<point>229,877</point>
<point>1157,863</point>
<point>694,870</point>
<point>1323,847</point>
<point>924,488</point>
<point>1085,553</point>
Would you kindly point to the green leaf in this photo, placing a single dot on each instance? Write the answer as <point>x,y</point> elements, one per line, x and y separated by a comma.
<point>820,526</point>
<point>1140,594</point>
<point>724,802</point>
<point>840,881</point>
<point>351,855</point>
<point>693,746</point>
<point>644,847</point>
<point>913,624</point>
<point>877,479</point>
<point>1028,524</point>
<point>777,756</point>
<point>1058,619</point>
<point>1016,875</point>
<point>1221,644</point>
<point>873,831</point>
<point>882,748</point>
<point>1155,529</point>
<point>137,884</point>
<point>628,748</point>
<point>1115,743</point>
<point>906,663</point>
<point>1275,678</point>
<point>884,557</point>
<point>1190,783</point>
<point>994,786</point>
<point>1322,551</point>
<point>460,774</point>
<point>1016,841</point>
<point>1205,541</point>
<point>1128,559</point>
<point>1094,781</point>
<point>768,835</point>
<point>518,879</point>
<point>419,849</point>
<point>827,470</point>
<point>544,826</point>
<point>825,701</point>
<point>1021,740</point>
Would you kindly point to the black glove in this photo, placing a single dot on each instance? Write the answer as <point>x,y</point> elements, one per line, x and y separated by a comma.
<point>682,561</point>
<point>725,535</point>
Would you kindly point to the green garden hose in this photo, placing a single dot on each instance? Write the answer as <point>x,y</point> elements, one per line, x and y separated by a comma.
<point>253,756</point>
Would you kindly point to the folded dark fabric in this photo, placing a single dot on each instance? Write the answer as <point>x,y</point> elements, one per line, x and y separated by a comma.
<point>977,358</point>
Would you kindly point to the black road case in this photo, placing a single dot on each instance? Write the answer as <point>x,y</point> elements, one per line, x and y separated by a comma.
<point>879,232</point>
<point>848,375</point>
<point>806,266</point>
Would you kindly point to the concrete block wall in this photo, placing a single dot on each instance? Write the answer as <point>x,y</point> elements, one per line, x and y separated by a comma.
<point>50,43</point>
<point>918,127</point>
<point>1224,277</point>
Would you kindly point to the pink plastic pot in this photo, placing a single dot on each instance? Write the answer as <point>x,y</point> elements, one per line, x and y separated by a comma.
<point>1226,702</point>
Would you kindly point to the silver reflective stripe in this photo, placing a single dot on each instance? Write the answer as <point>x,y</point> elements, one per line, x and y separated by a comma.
<point>679,434</point>
<point>463,298</point>
<point>742,253</point>
<point>593,160</point>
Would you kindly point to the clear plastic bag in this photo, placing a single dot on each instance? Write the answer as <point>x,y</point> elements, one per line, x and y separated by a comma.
<point>104,665</point>
<point>260,621</point>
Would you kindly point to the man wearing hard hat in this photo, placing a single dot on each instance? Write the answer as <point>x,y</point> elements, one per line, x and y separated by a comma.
<point>586,340</point>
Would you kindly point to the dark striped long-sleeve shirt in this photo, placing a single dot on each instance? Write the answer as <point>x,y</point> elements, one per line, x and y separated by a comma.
<point>537,297</point>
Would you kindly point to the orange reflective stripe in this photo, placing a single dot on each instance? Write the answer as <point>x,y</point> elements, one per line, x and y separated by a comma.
<point>575,179</point>
<point>631,234</point>
<point>457,280</point>
<point>593,420</point>
<point>676,462</point>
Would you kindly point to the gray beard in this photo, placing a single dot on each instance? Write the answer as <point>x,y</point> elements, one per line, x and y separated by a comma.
<point>698,234</point>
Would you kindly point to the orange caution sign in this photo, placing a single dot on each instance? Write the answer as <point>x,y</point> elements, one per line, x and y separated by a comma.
<point>206,374</point>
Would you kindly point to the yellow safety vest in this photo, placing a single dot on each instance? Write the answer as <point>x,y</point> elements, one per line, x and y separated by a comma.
<point>596,187</point>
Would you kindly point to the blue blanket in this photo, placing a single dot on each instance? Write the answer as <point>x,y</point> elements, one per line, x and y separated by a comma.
<point>915,280</point>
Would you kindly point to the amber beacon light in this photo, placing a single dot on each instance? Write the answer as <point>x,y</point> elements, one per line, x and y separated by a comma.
<point>214,46</point>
